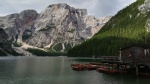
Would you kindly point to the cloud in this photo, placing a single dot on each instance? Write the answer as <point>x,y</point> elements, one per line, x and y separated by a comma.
<point>110,7</point>
<point>97,8</point>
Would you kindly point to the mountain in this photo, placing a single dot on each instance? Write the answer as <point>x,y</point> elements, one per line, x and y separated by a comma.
<point>129,26</point>
<point>5,45</point>
<point>58,28</point>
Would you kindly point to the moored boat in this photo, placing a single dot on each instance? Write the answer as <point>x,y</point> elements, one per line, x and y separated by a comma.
<point>83,67</point>
<point>105,70</point>
<point>144,74</point>
<point>78,67</point>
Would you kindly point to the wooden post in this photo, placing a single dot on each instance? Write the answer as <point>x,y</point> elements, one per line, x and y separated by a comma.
<point>121,68</point>
<point>120,55</point>
<point>137,71</point>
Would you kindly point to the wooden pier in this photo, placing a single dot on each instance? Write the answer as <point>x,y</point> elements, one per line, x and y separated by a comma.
<point>132,66</point>
<point>132,59</point>
<point>110,59</point>
<point>113,65</point>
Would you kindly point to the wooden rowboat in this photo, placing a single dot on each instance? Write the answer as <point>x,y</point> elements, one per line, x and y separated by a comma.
<point>83,67</point>
<point>144,74</point>
<point>104,70</point>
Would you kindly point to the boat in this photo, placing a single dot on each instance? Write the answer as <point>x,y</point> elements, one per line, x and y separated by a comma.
<point>144,74</point>
<point>77,68</point>
<point>90,67</point>
<point>80,67</point>
<point>93,63</point>
<point>106,70</point>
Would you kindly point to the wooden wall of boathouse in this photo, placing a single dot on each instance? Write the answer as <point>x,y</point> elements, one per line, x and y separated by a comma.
<point>135,55</point>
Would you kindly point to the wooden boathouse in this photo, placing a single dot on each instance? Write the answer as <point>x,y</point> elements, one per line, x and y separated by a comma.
<point>134,59</point>
<point>135,54</point>
<point>138,56</point>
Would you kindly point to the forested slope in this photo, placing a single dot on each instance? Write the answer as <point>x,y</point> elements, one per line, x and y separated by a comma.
<point>129,26</point>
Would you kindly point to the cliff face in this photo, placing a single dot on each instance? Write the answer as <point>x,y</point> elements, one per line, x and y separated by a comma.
<point>16,24</point>
<point>59,27</point>
<point>145,8</point>
<point>5,44</point>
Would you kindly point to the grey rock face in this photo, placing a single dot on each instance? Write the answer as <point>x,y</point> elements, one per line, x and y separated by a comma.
<point>64,26</point>
<point>22,51</point>
<point>147,26</point>
<point>145,7</point>
<point>16,24</point>
<point>59,27</point>
<point>5,44</point>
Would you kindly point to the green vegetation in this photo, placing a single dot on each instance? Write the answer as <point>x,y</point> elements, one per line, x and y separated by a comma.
<point>58,47</point>
<point>50,26</point>
<point>82,38</point>
<point>25,37</point>
<point>125,28</point>
<point>42,45</point>
<point>9,52</point>
<point>16,44</point>
<point>71,31</point>
<point>2,53</point>
<point>26,34</point>
<point>44,53</point>
<point>13,53</point>
<point>67,46</point>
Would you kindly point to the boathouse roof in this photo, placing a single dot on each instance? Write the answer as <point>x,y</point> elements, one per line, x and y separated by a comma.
<point>139,45</point>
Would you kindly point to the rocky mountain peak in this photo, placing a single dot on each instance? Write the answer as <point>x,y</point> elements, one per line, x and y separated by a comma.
<point>67,7</point>
<point>57,13</point>
<point>59,5</point>
<point>59,27</point>
<point>16,24</point>
<point>26,14</point>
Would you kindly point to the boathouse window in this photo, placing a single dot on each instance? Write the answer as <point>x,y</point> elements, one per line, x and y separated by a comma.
<point>146,52</point>
<point>130,54</point>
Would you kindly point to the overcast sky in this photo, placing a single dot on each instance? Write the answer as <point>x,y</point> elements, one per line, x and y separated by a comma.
<point>98,8</point>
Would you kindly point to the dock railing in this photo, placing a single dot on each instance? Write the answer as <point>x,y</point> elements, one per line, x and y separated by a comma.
<point>110,58</point>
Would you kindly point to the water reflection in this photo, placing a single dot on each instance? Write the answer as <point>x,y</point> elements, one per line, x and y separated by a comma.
<point>56,70</point>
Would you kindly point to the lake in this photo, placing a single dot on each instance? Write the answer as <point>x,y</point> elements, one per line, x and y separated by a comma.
<point>57,70</point>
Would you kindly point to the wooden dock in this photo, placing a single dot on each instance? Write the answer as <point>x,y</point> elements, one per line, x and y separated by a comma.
<point>114,65</point>
<point>110,59</point>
